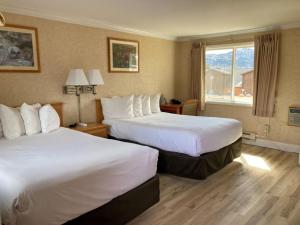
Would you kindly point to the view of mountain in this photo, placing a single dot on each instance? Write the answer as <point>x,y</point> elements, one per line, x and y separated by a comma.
<point>244,59</point>
<point>222,61</point>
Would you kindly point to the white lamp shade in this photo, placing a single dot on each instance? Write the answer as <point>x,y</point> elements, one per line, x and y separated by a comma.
<point>76,78</point>
<point>95,77</point>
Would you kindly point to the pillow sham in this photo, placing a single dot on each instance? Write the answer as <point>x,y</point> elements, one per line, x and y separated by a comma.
<point>50,120</point>
<point>146,106</point>
<point>12,123</point>
<point>137,106</point>
<point>117,107</point>
<point>154,102</point>
<point>31,118</point>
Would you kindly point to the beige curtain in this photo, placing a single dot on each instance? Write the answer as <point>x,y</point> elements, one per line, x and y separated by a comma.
<point>265,74</point>
<point>198,73</point>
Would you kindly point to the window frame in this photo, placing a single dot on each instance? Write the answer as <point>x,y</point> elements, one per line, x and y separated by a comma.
<point>233,46</point>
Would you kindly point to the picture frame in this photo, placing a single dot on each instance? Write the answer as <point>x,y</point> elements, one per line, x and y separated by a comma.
<point>19,49</point>
<point>123,55</point>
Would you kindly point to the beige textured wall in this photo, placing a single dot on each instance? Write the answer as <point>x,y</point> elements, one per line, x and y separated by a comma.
<point>164,66</point>
<point>64,46</point>
<point>183,71</point>
<point>288,90</point>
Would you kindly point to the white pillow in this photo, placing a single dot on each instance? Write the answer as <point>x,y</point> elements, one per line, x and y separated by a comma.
<point>12,123</point>
<point>49,118</point>
<point>117,107</point>
<point>146,106</point>
<point>137,106</point>
<point>31,118</point>
<point>154,102</point>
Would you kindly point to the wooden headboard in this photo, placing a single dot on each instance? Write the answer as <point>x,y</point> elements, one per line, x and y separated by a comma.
<point>58,106</point>
<point>99,112</point>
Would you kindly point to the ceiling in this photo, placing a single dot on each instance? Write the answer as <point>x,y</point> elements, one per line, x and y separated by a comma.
<point>165,18</point>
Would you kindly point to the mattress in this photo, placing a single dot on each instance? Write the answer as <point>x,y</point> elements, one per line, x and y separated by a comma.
<point>48,179</point>
<point>191,135</point>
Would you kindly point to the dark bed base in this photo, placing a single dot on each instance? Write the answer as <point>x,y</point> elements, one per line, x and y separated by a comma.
<point>123,208</point>
<point>196,167</point>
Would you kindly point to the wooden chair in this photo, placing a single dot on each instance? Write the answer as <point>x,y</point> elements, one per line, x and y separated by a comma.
<point>190,107</point>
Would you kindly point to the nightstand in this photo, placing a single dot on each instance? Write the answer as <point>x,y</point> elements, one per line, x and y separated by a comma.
<point>96,129</point>
<point>171,108</point>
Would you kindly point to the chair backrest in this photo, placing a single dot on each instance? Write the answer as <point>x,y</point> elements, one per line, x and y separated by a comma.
<point>190,107</point>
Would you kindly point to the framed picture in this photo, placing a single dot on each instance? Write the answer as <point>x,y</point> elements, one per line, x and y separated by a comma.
<point>123,55</point>
<point>19,49</point>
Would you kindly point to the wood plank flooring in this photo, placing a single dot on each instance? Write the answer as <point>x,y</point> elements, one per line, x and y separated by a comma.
<point>260,188</point>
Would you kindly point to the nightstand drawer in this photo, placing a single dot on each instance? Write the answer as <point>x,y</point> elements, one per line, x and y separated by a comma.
<point>96,129</point>
<point>98,132</point>
<point>171,108</point>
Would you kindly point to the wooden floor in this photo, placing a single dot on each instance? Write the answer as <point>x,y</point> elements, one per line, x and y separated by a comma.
<point>261,187</point>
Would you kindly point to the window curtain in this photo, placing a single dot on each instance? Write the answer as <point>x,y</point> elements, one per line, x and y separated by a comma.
<point>198,73</point>
<point>265,74</point>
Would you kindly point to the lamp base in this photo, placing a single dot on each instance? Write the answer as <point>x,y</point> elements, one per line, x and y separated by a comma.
<point>82,124</point>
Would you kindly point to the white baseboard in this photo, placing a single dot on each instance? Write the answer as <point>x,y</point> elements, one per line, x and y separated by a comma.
<point>273,144</point>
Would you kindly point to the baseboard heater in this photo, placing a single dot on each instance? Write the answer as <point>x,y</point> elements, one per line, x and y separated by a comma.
<point>249,135</point>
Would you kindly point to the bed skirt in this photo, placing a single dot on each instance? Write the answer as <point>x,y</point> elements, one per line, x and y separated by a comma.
<point>200,167</point>
<point>124,208</point>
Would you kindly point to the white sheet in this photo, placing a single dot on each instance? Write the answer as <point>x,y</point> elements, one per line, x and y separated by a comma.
<point>48,179</point>
<point>192,135</point>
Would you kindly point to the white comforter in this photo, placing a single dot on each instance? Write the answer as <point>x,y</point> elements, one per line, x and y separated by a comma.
<point>50,179</point>
<point>192,135</point>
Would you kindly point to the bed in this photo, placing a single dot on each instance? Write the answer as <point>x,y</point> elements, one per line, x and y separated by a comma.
<point>69,177</point>
<point>189,146</point>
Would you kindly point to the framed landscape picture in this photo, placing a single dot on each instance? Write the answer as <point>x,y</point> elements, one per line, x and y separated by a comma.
<point>19,50</point>
<point>123,55</point>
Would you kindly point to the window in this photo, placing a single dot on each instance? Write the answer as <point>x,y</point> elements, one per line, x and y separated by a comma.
<point>229,73</point>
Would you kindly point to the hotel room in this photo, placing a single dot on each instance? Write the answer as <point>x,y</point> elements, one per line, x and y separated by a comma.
<point>149,112</point>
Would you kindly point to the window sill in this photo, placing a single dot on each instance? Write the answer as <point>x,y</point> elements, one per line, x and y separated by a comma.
<point>229,103</point>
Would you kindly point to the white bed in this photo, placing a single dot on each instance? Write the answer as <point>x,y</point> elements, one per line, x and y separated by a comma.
<point>48,179</point>
<point>190,135</point>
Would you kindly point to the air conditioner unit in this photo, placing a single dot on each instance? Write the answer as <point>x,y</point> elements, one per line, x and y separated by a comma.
<point>294,115</point>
